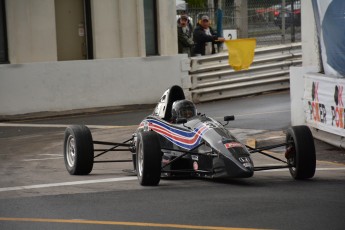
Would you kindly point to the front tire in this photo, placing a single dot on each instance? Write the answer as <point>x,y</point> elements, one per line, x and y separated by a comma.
<point>78,150</point>
<point>149,158</point>
<point>301,152</point>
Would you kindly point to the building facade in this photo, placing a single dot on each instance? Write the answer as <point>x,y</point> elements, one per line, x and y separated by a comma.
<point>60,30</point>
<point>62,55</point>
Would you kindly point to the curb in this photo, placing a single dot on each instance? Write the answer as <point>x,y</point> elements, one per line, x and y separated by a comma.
<point>75,112</point>
<point>266,138</point>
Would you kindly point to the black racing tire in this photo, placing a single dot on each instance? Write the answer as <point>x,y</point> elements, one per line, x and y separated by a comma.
<point>149,158</point>
<point>301,148</point>
<point>78,150</point>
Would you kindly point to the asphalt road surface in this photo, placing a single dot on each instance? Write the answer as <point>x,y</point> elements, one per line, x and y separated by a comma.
<point>36,192</point>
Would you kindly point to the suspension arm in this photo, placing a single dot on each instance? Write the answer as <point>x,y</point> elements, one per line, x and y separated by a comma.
<point>184,154</point>
<point>253,150</point>
<point>113,148</point>
<point>112,143</point>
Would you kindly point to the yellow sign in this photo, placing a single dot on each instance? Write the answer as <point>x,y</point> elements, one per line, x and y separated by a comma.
<point>241,53</point>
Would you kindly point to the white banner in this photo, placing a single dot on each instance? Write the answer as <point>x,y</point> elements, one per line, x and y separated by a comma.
<point>330,20</point>
<point>323,103</point>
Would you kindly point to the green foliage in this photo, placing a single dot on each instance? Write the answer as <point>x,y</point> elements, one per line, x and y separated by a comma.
<point>196,3</point>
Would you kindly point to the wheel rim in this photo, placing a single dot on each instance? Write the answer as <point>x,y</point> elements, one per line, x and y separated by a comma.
<point>292,163</point>
<point>70,151</point>
<point>140,159</point>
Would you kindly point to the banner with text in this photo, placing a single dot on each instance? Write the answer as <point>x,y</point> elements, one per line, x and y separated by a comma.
<point>323,103</point>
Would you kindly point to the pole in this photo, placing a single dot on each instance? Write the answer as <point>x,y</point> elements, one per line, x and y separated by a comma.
<point>241,18</point>
<point>283,21</point>
<point>292,21</point>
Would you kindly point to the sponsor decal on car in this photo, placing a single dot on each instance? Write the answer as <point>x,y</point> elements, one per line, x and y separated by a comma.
<point>182,138</point>
<point>244,159</point>
<point>195,157</point>
<point>195,166</point>
<point>232,145</point>
<point>165,161</point>
<point>247,165</point>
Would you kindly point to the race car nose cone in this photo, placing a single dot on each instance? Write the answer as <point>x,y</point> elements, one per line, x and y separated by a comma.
<point>226,168</point>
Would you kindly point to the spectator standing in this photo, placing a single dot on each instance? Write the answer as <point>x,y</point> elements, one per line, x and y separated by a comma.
<point>205,38</point>
<point>184,33</point>
<point>189,22</point>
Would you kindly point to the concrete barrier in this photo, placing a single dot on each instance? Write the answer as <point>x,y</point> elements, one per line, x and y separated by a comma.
<point>68,85</point>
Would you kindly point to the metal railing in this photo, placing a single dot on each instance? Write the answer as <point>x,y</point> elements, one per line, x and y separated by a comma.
<point>212,78</point>
<point>269,21</point>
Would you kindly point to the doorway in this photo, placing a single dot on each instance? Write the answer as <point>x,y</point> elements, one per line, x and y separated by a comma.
<point>73,29</point>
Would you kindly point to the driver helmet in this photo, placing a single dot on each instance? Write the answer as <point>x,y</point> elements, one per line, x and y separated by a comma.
<point>183,109</point>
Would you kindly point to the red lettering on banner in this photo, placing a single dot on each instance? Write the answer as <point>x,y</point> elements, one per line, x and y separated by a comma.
<point>316,113</point>
<point>339,117</point>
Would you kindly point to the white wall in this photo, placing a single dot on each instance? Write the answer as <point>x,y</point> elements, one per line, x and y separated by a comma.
<point>310,46</point>
<point>310,63</point>
<point>167,27</point>
<point>117,28</point>
<point>67,85</point>
<point>297,92</point>
<point>31,30</point>
<point>120,74</point>
<point>119,31</point>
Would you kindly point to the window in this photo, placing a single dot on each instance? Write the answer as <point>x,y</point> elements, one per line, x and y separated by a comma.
<point>150,17</point>
<point>3,34</point>
<point>73,30</point>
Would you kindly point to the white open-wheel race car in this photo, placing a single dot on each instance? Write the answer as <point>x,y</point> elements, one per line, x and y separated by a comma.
<point>175,141</point>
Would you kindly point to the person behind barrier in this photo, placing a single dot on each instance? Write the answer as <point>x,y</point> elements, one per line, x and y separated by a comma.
<point>205,38</point>
<point>184,35</point>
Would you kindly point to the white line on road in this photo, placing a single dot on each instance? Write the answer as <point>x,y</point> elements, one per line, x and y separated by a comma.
<point>56,126</point>
<point>330,169</point>
<point>43,159</point>
<point>68,183</point>
<point>118,179</point>
<point>317,169</point>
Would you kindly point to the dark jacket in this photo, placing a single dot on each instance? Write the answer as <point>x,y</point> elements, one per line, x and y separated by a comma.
<point>185,41</point>
<point>201,38</point>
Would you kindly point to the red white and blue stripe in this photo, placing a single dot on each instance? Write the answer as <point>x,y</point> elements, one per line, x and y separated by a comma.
<point>182,138</point>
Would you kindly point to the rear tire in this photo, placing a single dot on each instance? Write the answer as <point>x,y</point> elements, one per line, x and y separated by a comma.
<point>149,158</point>
<point>301,148</point>
<point>78,150</point>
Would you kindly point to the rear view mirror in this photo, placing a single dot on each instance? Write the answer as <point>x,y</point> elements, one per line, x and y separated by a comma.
<point>229,118</point>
